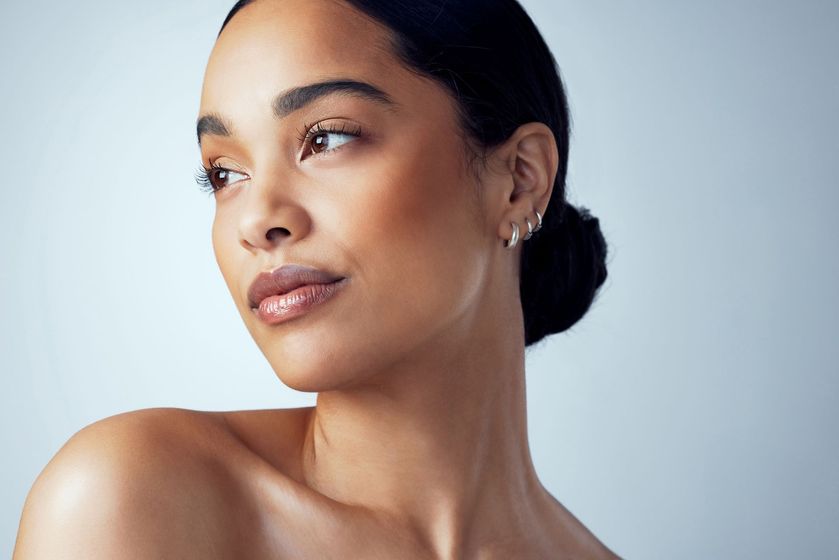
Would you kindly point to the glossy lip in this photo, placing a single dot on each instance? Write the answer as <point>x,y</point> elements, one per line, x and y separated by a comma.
<point>278,309</point>
<point>284,279</point>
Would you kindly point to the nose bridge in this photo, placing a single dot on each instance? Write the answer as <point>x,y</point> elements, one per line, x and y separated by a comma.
<point>270,214</point>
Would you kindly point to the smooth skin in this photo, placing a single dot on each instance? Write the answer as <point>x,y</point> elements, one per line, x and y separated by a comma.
<point>417,447</point>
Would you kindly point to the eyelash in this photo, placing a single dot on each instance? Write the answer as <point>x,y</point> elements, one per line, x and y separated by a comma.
<point>202,177</point>
<point>305,136</point>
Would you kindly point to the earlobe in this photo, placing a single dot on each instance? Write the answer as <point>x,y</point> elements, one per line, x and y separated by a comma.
<point>530,231</point>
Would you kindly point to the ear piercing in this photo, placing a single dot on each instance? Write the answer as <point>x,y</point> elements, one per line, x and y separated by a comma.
<point>512,243</point>
<point>530,231</point>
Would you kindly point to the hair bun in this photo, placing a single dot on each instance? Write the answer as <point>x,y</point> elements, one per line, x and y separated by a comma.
<point>563,266</point>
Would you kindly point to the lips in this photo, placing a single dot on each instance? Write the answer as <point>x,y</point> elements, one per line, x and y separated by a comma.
<point>285,279</point>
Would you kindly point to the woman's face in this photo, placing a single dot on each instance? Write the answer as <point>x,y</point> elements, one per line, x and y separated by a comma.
<point>393,210</point>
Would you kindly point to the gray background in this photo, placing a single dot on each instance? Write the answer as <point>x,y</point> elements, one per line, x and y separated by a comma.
<point>692,414</point>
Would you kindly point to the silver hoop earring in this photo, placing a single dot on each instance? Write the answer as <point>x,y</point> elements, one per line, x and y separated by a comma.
<point>512,242</point>
<point>539,225</point>
<point>530,230</point>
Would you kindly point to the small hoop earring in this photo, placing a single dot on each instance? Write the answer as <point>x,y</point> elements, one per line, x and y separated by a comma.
<point>539,225</point>
<point>512,242</point>
<point>530,230</point>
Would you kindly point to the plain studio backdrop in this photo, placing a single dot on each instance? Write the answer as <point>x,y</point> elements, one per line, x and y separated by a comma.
<point>691,414</point>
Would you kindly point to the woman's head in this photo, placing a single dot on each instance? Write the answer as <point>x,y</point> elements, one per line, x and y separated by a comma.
<point>406,184</point>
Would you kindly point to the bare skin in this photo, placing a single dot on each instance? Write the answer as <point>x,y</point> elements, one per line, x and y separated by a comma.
<point>417,447</point>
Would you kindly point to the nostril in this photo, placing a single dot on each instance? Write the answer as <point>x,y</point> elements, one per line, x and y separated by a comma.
<point>276,231</point>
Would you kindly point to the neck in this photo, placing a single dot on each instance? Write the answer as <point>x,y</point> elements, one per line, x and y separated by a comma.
<point>438,442</point>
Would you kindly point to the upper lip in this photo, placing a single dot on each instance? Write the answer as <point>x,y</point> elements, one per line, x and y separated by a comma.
<point>285,279</point>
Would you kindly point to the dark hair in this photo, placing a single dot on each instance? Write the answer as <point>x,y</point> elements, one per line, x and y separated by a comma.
<point>491,57</point>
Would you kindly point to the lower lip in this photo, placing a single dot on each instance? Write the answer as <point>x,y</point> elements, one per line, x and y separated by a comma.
<point>277,309</point>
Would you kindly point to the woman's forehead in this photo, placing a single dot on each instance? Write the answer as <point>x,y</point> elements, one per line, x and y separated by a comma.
<point>290,34</point>
<point>272,46</point>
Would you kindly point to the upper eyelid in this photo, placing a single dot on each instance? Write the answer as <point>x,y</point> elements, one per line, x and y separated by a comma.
<point>213,166</point>
<point>345,126</point>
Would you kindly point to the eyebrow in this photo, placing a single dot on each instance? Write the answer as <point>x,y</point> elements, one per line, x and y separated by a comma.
<point>296,98</point>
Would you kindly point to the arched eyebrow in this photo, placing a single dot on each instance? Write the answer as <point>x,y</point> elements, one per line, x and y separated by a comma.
<point>296,98</point>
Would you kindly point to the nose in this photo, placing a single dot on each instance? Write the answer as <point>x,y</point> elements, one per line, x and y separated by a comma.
<point>270,218</point>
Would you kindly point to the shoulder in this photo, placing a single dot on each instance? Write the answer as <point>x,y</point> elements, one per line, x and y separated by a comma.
<point>273,437</point>
<point>145,483</point>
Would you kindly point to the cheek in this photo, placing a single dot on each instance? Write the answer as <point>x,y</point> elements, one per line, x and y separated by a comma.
<point>224,247</point>
<point>415,238</point>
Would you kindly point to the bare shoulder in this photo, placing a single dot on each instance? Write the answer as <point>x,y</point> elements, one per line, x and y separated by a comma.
<point>272,436</point>
<point>141,484</point>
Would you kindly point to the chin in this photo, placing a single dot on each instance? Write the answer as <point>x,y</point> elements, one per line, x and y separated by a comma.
<point>307,363</point>
<point>303,364</point>
<point>309,379</point>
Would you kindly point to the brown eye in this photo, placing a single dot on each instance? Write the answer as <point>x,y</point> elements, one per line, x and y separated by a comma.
<point>215,178</point>
<point>322,139</point>
<point>220,177</point>
<point>319,142</point>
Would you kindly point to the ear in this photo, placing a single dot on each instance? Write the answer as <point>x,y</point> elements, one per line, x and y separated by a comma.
<point>531,158</point>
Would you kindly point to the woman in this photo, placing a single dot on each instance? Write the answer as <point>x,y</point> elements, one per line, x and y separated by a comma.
<point>391,223</point>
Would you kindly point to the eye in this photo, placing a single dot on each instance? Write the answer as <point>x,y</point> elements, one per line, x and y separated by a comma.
<point>216,178</point>
<point>322,139</point>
